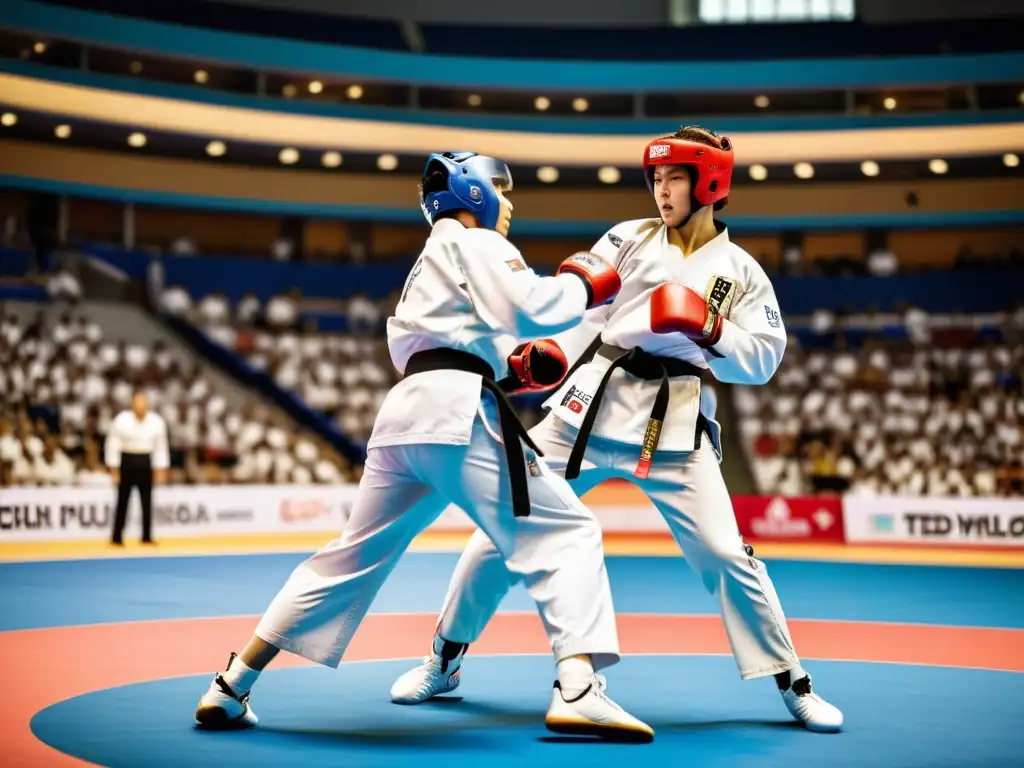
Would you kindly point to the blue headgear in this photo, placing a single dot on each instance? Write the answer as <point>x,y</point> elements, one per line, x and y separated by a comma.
<point>472,186</point>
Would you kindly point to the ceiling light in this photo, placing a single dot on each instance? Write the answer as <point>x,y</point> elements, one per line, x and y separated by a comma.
<point>889,103</point>
<point>216,148</point>
<point>8,119</point>
<point>938,166</point>
<point>580,105</point>
<point>762,101</point>
<point>288,155</point>
<point>39,47</point>
<point>387,162</point>
<point>547,174</point>
<point>331,159</point>
<point>758,172</point>
<point>608,175</point>
<point>62,131</point>
<point>474,100</point>
<point>136,67</point>
<point>1011,160</point>
<point>803,170</point>
<point>541,103</point>
<point>137,139</point>
<point>870,168</point>
<point>315,86</point>
<point>289,91</point>
<point>354,92</point>
<point>201,76</point>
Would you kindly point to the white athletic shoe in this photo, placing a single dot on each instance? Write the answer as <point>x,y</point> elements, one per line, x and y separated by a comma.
<point>439,673</point>
<point>810,709</point>
<point>222,709</point>
<point>592,713</point>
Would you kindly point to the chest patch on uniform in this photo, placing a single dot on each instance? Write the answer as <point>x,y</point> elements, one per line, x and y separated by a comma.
<point>515,265</point>
<point>720,294</point>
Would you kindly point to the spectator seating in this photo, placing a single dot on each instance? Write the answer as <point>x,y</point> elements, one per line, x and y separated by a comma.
<point>941,413</point>
<point>62,385</point>
<point>343,376</point>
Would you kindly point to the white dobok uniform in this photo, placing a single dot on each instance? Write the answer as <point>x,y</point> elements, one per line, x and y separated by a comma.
<point>685,481</point>
<point>436,442</point>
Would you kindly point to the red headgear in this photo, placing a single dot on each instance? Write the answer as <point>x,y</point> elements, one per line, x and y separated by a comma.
<point>713,164</point>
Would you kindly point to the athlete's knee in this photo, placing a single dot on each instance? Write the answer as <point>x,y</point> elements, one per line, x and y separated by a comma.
<point>726,553</point>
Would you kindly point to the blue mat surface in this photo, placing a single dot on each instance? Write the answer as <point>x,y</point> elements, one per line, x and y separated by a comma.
<point>94,591</point>
<point>704,716</point>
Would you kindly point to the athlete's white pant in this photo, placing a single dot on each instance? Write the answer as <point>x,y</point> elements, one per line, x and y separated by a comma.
<point>557,550</point>
<point>689,491</point>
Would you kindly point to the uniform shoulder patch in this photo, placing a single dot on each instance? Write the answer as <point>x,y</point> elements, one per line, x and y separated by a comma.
<point>516,265</point>
<point>721,293</point>
<point>615,239</point>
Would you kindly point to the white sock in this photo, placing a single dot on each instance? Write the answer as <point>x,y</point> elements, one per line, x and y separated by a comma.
<point>574,675</point>
<point>239,677</point>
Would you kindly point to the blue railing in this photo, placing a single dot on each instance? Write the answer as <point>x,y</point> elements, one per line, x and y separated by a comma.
<point>263,53</point>
<point>948,290</point>
<point>738,224</point>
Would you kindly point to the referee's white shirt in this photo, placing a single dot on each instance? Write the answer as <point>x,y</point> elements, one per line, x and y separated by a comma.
<point>130,435</point>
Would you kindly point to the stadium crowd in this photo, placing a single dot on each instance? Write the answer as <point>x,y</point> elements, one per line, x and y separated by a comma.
<point>345,376</point>
<point>62,384</point>
<point>939,413</point>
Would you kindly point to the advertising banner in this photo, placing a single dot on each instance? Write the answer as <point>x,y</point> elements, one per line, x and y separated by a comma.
<point>934,521</point>
<point>778,518</point>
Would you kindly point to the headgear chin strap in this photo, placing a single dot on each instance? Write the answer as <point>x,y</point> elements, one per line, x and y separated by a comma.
<point>712,164</point>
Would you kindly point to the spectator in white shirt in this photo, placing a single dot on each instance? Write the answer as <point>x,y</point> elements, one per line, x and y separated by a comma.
<point>248,309</point>
<point>175,301</point>
<point>283,311</point>
<point>363,314</point>
<point>52,466</point>
<point>213,310</point>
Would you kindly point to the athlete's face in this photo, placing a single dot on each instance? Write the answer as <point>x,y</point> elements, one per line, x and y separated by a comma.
<point>672,193</point>
<point>505,215</point>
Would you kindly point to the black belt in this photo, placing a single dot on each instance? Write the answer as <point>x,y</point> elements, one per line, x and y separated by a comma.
<point>512,429</point>
<point>645,366</point>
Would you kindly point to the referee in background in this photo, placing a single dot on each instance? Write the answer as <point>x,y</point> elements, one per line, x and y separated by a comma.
<point>137,453</point>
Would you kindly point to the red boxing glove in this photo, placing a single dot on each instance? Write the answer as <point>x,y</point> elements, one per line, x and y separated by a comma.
<point>537,365</point>
<point>600,277</point>
<point>678,309</point>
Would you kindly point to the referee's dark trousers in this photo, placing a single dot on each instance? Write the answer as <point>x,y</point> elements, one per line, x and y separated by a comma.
<point>136,472</point>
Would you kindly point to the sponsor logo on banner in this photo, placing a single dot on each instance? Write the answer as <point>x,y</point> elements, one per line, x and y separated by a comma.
<point>41,514</point>
<point>298,510</point>
<point>86,515</point>
<point>767,518</point>
<point>923,520</point>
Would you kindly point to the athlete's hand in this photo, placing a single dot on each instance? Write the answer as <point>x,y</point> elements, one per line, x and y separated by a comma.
<point>599,277</point>
<point>537,365</point>
<point>676,308</point>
